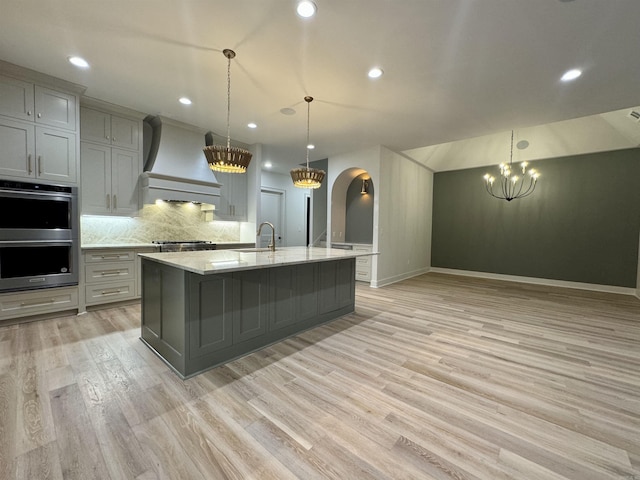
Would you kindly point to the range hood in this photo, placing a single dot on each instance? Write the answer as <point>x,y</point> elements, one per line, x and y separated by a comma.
<point>175,168</point>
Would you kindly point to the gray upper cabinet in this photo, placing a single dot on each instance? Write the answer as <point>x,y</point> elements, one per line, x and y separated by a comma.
<point>102,127</point>
<point>27,101</point>
<point>111,161</point>
<point>37,132</point>
<point>233,196</point>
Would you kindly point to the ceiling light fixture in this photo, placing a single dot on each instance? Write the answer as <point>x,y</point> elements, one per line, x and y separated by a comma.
<point>571,75</point>
<point>228,159</point>
<point>306,8</point>
<point>252,125</point>
<point>375,72</point>
<point>512,186</point>
<point>78,62</point>
<point>307,177</point>
<point>185,101</point>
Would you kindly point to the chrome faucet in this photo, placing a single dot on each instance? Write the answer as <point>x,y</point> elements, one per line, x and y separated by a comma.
<point>272,245</point>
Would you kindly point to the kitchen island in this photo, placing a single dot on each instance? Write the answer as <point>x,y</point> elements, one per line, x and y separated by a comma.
<point>202,309</point>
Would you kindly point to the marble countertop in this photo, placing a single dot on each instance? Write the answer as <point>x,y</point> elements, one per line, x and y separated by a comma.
<point>207,262</point>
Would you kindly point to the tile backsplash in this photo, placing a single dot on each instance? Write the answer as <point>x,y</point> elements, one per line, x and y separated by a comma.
<point>165,221</point>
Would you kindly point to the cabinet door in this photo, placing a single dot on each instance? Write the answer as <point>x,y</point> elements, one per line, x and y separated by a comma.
<point>17,149</point>
<point>210,319</point>
<point>125,169</point>
<point>16,98</point>
<point>293,295</point>
<point>250,304</point>
<point>56,155</point>
<point>239,196</point>
<point>95,126</point>
<point>124,132</point>
<point>223,209</point>
<point>96,178</point>
<point>336,285</point>
<point>55,108</point>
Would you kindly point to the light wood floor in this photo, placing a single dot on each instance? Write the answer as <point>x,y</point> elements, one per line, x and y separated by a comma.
<point>433,378</point>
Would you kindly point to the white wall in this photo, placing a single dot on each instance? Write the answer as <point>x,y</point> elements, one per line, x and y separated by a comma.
<point>401,210</point>
<point>295,201</point>
<point>404,218</point>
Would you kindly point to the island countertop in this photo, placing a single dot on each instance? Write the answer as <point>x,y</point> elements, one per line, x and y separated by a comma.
<point>219,261</point>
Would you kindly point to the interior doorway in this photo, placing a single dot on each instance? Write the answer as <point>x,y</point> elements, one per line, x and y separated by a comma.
<point>272,210</point>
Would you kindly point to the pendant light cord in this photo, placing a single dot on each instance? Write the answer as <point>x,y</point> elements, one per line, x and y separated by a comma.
<point>511,154</point>
<point>228,102</point>
<point>308,115</point>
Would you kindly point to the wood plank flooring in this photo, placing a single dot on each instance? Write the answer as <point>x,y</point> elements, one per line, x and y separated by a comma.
<point>437,377</point>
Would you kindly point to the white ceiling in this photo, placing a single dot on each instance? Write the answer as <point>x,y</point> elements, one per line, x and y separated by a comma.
<point>454,69</point>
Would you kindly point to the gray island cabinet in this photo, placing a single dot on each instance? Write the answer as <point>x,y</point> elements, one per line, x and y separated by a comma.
<point>203,309</point>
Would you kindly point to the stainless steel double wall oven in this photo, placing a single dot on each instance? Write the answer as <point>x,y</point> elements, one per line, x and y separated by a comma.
<point>39,235</point>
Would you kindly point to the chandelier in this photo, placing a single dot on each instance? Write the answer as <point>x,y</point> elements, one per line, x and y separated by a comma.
<point>227,159</point>
<point>307,177</point>
<point>512,186</point>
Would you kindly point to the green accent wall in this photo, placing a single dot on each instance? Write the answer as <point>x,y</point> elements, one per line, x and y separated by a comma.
<point>359,212</point>
<point>581,224</point>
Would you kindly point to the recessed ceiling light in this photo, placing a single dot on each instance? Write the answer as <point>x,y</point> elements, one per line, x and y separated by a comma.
<point>185,101</point>
<point>78,62</point>
<point>375,72</point>
<point>287,111</point>
<point>311,146</point>
<point>267,165</point>
<point>571,75</point>
<point>252,125</point>
<point>306,8</point>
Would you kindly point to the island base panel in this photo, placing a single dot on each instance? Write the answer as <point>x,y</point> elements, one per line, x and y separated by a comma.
<point>196,322</point>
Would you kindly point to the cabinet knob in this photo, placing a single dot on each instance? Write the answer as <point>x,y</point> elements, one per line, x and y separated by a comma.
<point>39,115</point>
<point>28,113</point>
<point>107,137</point>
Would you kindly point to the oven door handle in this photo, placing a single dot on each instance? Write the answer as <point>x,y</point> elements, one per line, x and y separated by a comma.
<point>26,243</point>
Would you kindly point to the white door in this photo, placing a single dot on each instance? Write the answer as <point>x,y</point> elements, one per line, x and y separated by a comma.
<point>272,210</point>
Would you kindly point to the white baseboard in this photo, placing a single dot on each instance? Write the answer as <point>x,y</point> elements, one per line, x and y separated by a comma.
<point>398,278</point>
<point>539,281</point>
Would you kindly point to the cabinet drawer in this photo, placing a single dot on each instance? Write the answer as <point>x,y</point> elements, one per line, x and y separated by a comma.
<point>363,261</point>
<point>109,256</point>
<point>41,301</point>
<point>109,272</point>
<point>363,275</point>
<point>109,292</point>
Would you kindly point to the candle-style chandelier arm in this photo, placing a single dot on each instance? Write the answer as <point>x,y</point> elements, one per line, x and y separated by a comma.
<point>512,186</point>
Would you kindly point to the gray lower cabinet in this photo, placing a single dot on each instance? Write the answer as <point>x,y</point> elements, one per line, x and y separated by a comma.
<point>195,322</point>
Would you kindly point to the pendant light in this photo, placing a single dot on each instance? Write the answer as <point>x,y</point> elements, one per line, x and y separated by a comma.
<point>512,186</point>
<point>228,159</point>
<point>307,177</point>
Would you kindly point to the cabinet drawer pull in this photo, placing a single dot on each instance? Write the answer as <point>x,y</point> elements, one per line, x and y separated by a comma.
<point>29,164</point>
<point>112,257</point>
<point>39,164</point>
<point>108,203</point>
<point>38,303</point>
<point>111,292</point>
<point>109,273</point>
<point>115,202</point>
